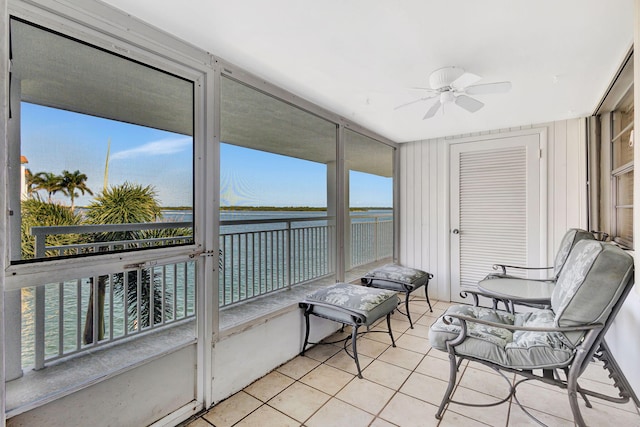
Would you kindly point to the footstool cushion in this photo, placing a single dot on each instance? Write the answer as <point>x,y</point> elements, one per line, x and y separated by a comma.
<point>354,305</point>
<point>396,277</point>
<point>348,303</point>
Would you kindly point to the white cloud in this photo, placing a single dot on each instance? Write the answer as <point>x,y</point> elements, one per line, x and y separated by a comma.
<point>155,148</point>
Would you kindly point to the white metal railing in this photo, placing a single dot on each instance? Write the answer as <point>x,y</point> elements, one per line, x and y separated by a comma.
<point>371,238</point>
<point>64,318</point>
<point>41,233</point>
<point>60,319</point>
<point>257,257</point>
<point>292,251</point>
<point>255,260</point>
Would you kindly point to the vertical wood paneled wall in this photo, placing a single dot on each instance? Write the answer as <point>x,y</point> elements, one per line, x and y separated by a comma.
<point>424,195</point>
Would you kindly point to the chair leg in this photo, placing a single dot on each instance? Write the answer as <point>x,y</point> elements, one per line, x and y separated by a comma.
<point>453,372</point>
<point>306,335</point>
<point>426,294</point>
<point>354,336</point>
<point>393,342</point>
<point>572,390</point>
<point>406,307</point>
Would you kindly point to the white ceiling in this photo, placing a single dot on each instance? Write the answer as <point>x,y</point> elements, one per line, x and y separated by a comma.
<point>361,58</point>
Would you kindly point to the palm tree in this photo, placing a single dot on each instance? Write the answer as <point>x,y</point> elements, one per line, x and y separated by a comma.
<point>72,182</point>
<point>36,212</point>
<point>125,204</point>
<point>47,181</point>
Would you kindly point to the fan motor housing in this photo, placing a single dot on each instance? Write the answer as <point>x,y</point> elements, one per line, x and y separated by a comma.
<point>443,77</point>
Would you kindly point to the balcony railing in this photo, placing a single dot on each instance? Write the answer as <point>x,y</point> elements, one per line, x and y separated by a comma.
<point>257,257</point>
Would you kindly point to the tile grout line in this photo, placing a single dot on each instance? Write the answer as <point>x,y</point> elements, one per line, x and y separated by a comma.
<point>334,396</point>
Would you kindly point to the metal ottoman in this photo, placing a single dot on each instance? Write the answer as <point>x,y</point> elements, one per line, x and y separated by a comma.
<point>400,279</point>
<point>353,305</point>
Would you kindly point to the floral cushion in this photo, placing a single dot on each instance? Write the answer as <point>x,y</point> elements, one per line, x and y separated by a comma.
<point>571,237</point>
<point>342,300</point>
<point>520,349</point>
<point>396,277</point>
<point>593,279</point>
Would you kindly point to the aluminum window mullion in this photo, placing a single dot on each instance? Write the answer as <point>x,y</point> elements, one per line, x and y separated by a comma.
<point>111,307</point>
<point>185,286</point>
<point>152,296</point>
<point>94,309</point>
<point>163,284</point>
<point>78,314</point>
<point>60,318</point>
<point>125,301</point>
<point>138,299</point>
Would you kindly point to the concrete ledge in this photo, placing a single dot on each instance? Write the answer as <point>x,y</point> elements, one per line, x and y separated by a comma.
<point>69,375</point>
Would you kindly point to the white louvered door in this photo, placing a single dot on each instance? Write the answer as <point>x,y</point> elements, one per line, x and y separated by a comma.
<point>495,207</point>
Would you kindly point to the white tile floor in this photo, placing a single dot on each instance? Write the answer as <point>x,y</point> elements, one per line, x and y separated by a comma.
<point>402,386</point>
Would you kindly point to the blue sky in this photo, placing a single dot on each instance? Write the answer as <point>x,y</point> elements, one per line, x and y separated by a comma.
<point>255,178</point>
<point>54,140</point>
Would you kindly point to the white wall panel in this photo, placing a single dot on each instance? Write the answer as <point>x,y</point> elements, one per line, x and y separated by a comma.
<point>559,182</point>
<point>137,397</point>
<point>424,196</point>
<point>4,89</point>
<point>240,359</point>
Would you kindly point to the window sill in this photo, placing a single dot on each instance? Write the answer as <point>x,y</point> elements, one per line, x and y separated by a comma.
<point>66,376</point>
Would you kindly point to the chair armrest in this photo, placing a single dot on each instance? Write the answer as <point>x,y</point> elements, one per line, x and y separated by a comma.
<point>464,319</point>
<point>505,266</point>
<point>475,294</point>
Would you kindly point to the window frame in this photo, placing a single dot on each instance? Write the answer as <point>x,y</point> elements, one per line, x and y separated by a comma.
<point>623,170</point>
<point>602,152</point>
<point>20,275</point>
<point>144,44</point>
<point>255,82</point>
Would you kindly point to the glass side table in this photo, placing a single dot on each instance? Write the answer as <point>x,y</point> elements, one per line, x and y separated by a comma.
<point>517,291</point>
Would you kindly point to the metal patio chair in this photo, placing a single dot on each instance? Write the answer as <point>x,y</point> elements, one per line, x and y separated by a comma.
<point>552,345</point>
<point>511,289</point>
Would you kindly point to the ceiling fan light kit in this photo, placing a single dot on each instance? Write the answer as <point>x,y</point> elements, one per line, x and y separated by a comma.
<point>454,85</point>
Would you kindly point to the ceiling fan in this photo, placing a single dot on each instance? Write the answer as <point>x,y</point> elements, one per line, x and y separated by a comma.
<point>454,85</point>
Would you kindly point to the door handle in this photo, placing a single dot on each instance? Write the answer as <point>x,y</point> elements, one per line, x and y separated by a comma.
<point>455,231</point>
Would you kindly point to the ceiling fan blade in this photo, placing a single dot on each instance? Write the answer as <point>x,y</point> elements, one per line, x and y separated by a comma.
<point>468,103</point>
<point>465,80</point>
<point>424,88</point>
<point>433,110</point>
<point>415,101</point>
<point>499,87</point>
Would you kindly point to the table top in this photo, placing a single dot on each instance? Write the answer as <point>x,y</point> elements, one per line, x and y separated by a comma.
<point>529,291</point>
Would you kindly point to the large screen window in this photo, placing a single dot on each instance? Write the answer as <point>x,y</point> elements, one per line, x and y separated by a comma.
<point>102,150</point>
